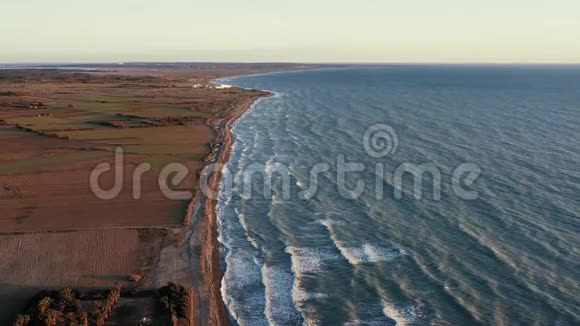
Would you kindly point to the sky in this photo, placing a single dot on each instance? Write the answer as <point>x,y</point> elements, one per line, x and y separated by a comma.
<point>377,31</point>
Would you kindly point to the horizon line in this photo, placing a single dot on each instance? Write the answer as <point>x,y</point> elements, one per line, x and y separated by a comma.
<point>120,63</point>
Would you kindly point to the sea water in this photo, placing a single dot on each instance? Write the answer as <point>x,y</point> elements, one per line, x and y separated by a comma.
<point>335,256</point>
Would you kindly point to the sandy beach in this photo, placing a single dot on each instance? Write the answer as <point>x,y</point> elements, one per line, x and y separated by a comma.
<point>210,262</point>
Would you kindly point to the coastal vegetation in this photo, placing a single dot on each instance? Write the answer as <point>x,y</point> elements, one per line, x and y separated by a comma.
<point>175,301</point>
<point>104,308</point>
<point>171,305</point>
<point>55,308</point>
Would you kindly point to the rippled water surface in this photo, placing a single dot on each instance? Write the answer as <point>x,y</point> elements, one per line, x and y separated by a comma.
<point>509,257</point>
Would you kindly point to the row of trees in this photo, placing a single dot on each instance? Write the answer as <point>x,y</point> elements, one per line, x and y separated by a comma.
<point>64,308</point>
<point>56,308</point>
<point>103,309</point>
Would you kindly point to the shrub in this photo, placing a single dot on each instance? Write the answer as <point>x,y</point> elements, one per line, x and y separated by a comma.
<point>174,299</point>
<point>22,320</point>
<point>135,278</point>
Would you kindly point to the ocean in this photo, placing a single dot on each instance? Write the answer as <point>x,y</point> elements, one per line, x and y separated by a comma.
<point>464,210</point>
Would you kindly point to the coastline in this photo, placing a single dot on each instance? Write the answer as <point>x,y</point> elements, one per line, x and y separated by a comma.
<point>210,253</point>
<point>163,240</point>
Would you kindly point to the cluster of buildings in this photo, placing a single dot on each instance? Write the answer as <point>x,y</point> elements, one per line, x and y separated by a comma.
<point>212,86</point>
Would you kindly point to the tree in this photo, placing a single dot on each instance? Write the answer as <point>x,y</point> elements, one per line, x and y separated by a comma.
<point>44,305</point>
<point>52,318</point>
<point>175,300</point>
<point>22,320</point>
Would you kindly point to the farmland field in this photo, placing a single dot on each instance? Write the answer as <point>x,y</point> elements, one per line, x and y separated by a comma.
<point>83,259</point>
<point>56,127</point>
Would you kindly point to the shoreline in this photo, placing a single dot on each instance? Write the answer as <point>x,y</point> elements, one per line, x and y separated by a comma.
<point>210,246</point>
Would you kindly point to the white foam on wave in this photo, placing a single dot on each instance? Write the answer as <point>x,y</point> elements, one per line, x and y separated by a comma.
<point>369,253</point>
<point>367,314</point>
<point>280,308</point>
<point>237,179</point>
<point>384,313</point>
<point>365,323</point>
<point>246,227</point>
<point>242,269</point>
<point>329,223</point>
<point>241,285</point>
<point>404,315</point>
<point>247,144</point>
<point>242,272</point>
<point>225,191</point>
<point>300,185</point>
<point>366,253</point>
<point>271,166</point>
<point>307,261</point>
<point>310,260</point>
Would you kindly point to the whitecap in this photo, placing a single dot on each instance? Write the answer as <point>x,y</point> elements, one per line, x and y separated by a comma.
<point>402,315</point>
<point>280,308</point>
<point>369,253</point>
<point>366,253</point>
<point>310,260</point>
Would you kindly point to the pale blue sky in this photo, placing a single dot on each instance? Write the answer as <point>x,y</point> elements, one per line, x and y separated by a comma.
<point>296,30</point>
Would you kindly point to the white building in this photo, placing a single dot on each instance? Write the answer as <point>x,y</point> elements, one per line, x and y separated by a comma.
<point>220,86</point>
